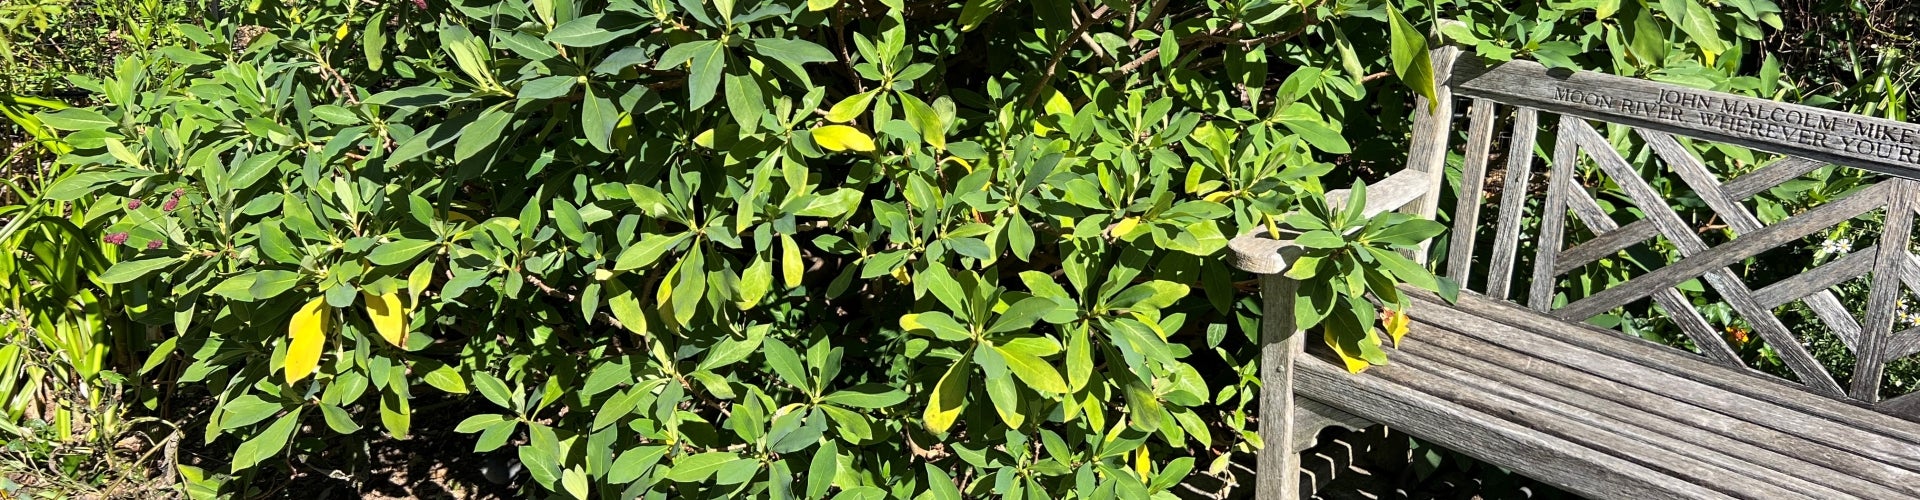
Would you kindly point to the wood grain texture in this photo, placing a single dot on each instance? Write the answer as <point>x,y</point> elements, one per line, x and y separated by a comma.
<point>1850,266</point>
<point>1566,412</point>
<point>1875,144</point>
<point>1553,219</point>
<point>1767,177</point>
<point>1681,235</point>
<point>1518,447</point>
<point>1765,401</point>
<point>1707,187</point>
<point>1748,245</point>
<point>1427,151</point>
<point>1513,197</point>
<point>1280,345</point>
<point>1884,294</point>
<point>1679,309</point>
<point>1664,417</point>
<point>1473,176</point>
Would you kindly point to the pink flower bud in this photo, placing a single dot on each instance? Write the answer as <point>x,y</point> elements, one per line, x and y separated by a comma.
<point>420,4</point>
<point>172,203</point>
<point>133,204</point>
<point>153,245</point>
<point>115,238</point>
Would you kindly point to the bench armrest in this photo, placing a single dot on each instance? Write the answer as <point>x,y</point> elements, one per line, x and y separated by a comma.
<point>1259,252</point>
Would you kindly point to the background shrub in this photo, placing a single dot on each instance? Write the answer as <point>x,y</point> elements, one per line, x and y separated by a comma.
<point>772,248</point>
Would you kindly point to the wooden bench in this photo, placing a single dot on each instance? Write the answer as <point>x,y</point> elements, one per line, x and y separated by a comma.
<point>1537,390</point>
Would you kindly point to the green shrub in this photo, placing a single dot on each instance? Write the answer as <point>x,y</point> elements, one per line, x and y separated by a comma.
<point>778,248</point>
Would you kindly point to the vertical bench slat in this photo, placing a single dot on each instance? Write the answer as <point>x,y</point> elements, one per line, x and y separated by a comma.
<point>1280,344</point>
<point>1427,152</point>
<point>1884,294</point>
<point>1693,172</point>
<point>1513,197</point>
<point>1473,177</point>
<point>1723,279</point>
<point>1679,309</point>
<point>1553,220</point>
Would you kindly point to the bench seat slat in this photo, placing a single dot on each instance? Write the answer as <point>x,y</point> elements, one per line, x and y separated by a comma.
<point>1571,466</point>
<point>1596,431</point>
<point>1783,407</point>
<point>1711,436</point>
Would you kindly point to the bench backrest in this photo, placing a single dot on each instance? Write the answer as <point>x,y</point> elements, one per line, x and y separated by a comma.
<point>1547,119</point>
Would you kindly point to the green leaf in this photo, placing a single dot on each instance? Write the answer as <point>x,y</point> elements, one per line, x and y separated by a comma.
<point>399,251</point>
<point>267,443</point>
<point>635,462</point>
<point>493,388</point>
<point>869,396</point>
<point>484,132</point>
<point>697,468</point>
<point>1320,239</point>
<point>129,270</point>
<point>852,107</point>
<point>786,363</point>
<point>939,484</point>
<point>792,51</point>
<point>77,119</point>
<point>599,116</point>
<point>825,465</point>
<point>976,11</point>
<point>1411,60</point>
<point>645,251</point>
<point>587,31</point>
<point>703,79</point>
<point>1036,372</point>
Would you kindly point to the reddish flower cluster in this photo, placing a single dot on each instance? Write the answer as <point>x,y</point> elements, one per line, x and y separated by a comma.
<point>115,238</point>
<point>420,4</point>
<point>173,200</point>
<point>153,245</point>
<point>133,204</point>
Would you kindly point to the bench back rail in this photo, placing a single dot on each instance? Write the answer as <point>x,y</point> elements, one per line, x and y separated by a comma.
<point>1549,115</point>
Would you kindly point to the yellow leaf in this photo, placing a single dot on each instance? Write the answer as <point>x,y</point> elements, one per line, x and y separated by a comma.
<point>842,138</point>
<point>1355,364</point>
<point>307,335</point>
<point>910,322</point>
<point>1125,226</point>
<point>341,33</point>
<point>1143,464</point>
<point>943,406</point>
<point>1396,323</point>
<point>1219,197</point>
<point>389,317</point>
<point>900,273</point>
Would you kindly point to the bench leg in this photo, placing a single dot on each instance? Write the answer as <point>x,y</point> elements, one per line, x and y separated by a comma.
<point>1280,343</point>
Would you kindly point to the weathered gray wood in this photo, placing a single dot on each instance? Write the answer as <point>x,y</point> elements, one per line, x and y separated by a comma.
<point>1513,197</point>
<point>1427,151</point>
<point>1769,176</point>
<point>1604,245</point>
<point>1728,283</point>
<point>1875,144</point>
<point>1567,413</point>
<point>1489,437</point>
<point>1311,417</point>
<point>1280,345</point>
<point>1745,246</point>
<point>1705,185</point>
<point>1663,415</point>
<point>1553,219</point>
<point>1473,176</point>
<point>1851,266</point>
<point>1907,407</point>
<point>1678,308</point>
<point>1884,292</point>
<point>1726,392</point>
